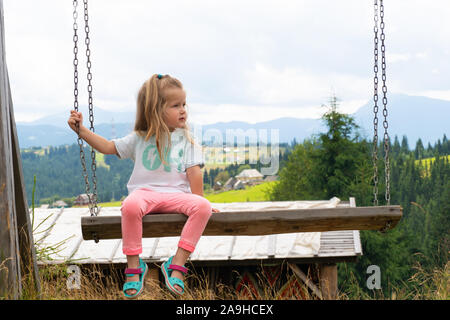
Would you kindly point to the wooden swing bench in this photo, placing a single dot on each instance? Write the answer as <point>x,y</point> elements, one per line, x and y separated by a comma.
<point>251,222</point>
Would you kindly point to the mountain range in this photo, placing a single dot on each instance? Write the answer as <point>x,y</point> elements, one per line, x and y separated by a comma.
<point>411,116</point>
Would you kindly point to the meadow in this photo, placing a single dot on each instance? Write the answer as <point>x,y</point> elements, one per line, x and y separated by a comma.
<point>250,193</point>
<point>96,284</point>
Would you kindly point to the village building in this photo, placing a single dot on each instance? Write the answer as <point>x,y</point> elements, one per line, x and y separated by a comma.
<point>239,185</point>
<point>82,200</point>
<point>250,176</point>
<point>217,186</point>
<point>229,184</point>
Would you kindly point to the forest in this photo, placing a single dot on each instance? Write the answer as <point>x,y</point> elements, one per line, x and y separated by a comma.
<point>338,163</point>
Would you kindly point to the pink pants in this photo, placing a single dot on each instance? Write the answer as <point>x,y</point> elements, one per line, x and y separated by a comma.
<point>143,201</point>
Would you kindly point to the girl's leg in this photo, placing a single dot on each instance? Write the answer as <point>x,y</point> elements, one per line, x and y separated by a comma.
<point>134,207</point>
<point>133,262</point>
<point>143,201</point>
<point>179,259</point>
<point>198,210</point>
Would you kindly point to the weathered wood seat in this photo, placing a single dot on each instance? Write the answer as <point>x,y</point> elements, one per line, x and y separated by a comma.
<point>254,222</point>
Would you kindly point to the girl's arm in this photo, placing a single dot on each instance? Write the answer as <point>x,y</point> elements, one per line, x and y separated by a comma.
<point>94,140</point>
<point>195,177</point>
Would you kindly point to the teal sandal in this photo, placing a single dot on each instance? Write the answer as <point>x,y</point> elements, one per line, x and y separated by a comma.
<point>136,285</point>
<point>166,269</point>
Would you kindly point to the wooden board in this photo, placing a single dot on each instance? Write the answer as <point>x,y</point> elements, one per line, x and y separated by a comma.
<point>10,275</point>
<point>253,222</point>
<point>17,253</point>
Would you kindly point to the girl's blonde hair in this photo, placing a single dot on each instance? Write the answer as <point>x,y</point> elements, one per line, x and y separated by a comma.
<point>151,105</point>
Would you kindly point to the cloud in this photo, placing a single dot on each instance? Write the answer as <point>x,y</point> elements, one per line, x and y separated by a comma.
<point>285,56</point>
<point>398,57</point>
<point>207,114</point>
<point>435,94</point>
<point>268,85</point>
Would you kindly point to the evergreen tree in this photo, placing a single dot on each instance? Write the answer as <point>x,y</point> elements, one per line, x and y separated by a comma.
<point>420,150</point>
<point>334,164</point>
<point>404,146</point>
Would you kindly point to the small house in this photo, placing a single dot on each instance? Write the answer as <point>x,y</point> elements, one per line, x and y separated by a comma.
<point>229,184</point>
<point>250,176</point>
<point>82,199</point>
<point>217,186</point>
<point>239,185</point>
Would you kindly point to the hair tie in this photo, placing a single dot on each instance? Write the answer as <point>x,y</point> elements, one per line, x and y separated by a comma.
<point>159,76</point>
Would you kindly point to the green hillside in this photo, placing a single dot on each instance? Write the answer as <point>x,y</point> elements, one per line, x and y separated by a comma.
<point>428,161</point>
<point>253,193</point>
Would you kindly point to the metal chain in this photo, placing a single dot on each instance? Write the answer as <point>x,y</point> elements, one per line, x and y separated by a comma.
<point>375,109</point>
<point>385,113</point>
<point>93,208</point>
<point>87,41</point>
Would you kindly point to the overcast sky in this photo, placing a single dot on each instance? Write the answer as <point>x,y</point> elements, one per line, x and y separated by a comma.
<point>249,60</point>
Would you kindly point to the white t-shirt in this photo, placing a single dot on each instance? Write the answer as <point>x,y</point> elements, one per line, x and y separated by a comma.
<point>149,171</point>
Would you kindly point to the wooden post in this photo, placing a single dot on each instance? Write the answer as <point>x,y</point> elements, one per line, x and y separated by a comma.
<point>328,280</point>
<point>17,256</point>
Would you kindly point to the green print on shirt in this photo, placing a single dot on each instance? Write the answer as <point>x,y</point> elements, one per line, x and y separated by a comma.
<point>152,161</point>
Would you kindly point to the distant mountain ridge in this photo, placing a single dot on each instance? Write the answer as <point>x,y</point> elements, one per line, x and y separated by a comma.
<point>412,116</point>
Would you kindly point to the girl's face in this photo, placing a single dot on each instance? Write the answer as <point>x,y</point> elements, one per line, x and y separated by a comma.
<point>175,115</point>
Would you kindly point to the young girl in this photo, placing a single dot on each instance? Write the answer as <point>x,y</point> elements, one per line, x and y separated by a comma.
<point>167,177</point>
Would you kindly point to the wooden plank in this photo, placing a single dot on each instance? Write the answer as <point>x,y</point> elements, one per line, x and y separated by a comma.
<point>16,236</point>
<point>27,249</point>
<point>357,242</point>
<point>302,276</point>
<point>352,202</point>
<point>253,222</point>
<point>10,275</point>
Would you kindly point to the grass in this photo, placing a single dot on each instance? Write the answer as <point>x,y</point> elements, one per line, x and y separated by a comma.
<point>252,193</point>
<point>427,162</point>
<point>96,284</point>
<point>110,204</point>
<point>100,160</point>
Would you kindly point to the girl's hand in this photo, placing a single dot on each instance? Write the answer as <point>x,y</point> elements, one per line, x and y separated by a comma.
<point>215,210</point>
<point>75,117</point>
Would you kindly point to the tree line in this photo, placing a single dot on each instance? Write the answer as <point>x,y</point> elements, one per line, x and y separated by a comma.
<point>59,174</point>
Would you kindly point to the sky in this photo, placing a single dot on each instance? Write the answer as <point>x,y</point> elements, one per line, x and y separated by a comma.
<point>242,60</point>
